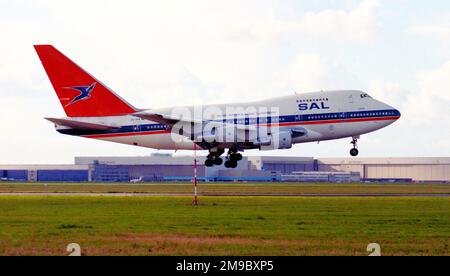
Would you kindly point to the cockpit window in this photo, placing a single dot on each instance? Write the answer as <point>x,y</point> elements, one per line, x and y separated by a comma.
<point>365,95</point>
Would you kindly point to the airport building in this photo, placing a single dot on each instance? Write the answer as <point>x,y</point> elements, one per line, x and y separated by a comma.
<point>154,168</point>
<point>423,169</point>
<point>420,169</point>
<point>48,173</point>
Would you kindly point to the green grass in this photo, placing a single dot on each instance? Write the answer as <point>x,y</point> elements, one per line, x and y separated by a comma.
<point>230,188</point>
<point>44,225</point>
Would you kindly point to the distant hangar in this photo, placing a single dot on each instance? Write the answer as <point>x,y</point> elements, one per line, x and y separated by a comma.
<point>413,168</point>
<point>416,169</point>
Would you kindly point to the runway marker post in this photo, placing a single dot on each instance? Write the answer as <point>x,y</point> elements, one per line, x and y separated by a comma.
<point>195,202</point>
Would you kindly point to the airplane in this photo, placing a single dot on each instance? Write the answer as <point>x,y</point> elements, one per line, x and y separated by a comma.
<point>95,111</point>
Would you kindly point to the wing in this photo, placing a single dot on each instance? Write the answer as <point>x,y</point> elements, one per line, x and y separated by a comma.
<point>172,120</point>
<point>210,133</point>
<point>200,130</point>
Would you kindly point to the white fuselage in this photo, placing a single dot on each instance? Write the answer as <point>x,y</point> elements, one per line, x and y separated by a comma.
<point>325,115</point>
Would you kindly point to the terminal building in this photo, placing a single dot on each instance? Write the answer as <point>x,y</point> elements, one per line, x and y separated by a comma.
<point>160,167</point>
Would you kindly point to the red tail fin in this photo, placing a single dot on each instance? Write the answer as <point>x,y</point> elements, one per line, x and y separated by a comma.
<point>80,94</point>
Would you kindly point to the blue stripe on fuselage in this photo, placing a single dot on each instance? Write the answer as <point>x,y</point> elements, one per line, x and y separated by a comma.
<point>301,118</point>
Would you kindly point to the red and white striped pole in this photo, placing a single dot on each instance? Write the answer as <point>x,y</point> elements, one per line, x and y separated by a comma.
<point>195,176</point>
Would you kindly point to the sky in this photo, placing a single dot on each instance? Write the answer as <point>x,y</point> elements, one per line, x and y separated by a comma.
<point>170,53</point>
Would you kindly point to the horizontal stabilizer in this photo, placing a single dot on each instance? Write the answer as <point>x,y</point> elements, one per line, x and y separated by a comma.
<point>80,125</point>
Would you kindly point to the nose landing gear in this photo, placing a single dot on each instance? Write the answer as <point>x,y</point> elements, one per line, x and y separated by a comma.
<point>354,151</point>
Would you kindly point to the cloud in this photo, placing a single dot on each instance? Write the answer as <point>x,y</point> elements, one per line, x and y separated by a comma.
<point>427,104</point>
<point>423,128</point>
<point>169,53</point>
<point>310,72</point>
<point>431,101</point>
<point>389,92</point>
<point>438,31</point>
<point>153,53</point>
<point>356,24</point>
<point>436,82</point>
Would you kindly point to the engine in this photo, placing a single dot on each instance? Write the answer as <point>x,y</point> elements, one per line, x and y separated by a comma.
<point>278,140</point>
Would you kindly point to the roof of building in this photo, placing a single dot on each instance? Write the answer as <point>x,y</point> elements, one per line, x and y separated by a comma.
<point>138,160</point>
<point>281,159</point>
<point>44,167</point>
<point>386,160</point>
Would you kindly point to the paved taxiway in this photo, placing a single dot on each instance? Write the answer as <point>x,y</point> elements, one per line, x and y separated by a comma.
<point>224,194</point>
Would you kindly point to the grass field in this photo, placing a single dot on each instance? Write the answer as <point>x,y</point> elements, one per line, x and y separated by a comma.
<point>230,188</point>
<point>103,225</point>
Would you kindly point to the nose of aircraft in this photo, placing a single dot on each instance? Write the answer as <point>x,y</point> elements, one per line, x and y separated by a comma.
<point>398,113</point>
<point>395,112</point>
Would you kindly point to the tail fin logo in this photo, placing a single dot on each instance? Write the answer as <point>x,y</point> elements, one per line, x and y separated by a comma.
<point>85,93</point>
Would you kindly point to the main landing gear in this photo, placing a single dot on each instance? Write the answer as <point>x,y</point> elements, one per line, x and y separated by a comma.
<point>231,161</point>
<point>214,158</point>
<point>354,151</point>
<point>233,157</point>
<point>211,162</point>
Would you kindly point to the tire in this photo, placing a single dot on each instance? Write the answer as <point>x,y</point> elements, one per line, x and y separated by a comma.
<point>233,164</point>
<point>228,164</point>
<point>209,163</point>
<point>238,157</point>
<point>354,152</point>
<point>232,157</point>
<point>218,161</point>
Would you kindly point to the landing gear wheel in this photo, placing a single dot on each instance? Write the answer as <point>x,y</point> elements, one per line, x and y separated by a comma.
<point>354,151</point>
<point>230,164</point>
<point>213,158</point>
<point>233,157</point>
<point>238,157</point>
<point>218,161</point>
<point>209,163</point>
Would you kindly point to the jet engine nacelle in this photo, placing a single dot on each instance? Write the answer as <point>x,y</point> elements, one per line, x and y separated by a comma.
<point>278,140</point>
